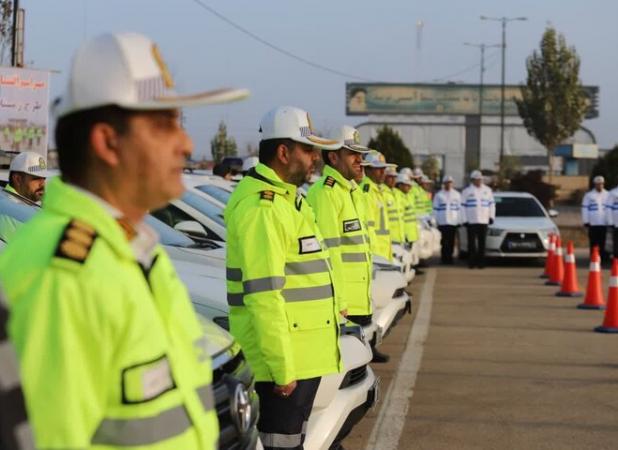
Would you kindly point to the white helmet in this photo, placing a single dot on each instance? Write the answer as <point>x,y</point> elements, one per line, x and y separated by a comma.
<point>417,173</point>
<point>406,171</point>
<point>351,139</point>
<point>375,159</point>
<point>476,175</point>
<point>288,122</point>
<point>127,69</point>
<point>249,163</point>
<point>447,179</point>
<point>402,178</point>
<point>31,163</point>
<point>599,179</point>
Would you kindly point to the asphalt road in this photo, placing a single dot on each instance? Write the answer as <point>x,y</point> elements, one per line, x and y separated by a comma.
<point>504,365</point>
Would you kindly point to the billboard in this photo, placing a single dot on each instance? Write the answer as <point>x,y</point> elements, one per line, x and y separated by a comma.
<point>24,109</point>
<point>438,99</point>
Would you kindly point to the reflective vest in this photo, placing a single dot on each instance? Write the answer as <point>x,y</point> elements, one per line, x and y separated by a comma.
<point>337,215</point>
<point>377,219</point>
<point>395,210</point>
<point>112,353</point>
<point>410,223</point>
<point>279,282</point>
<point>420,201</point>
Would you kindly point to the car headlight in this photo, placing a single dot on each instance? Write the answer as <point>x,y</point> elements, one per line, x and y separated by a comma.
<point>495,231</point>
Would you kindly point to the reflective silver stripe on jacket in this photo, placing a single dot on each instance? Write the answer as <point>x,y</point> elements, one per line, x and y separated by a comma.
<point>306,267</point>
<point>150,430</point>
<point>233,274</point>
<point>371,223</point>
<point>308,293</point>
<point>354,257</point>
<point>281,440</point>
<point>352,240</point>
<point>332,242</point>
<point>382,232</point>
<point>263,284</point>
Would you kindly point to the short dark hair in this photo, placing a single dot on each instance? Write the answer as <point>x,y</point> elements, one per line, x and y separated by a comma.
<point>73,137</point>
<point>12,173</point>
<point>268,148</point>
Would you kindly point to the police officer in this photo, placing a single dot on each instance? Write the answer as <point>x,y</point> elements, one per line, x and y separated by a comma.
<point>447,210</point>
<point>478,212</point>
<point>612,211</point>
<point>279,280</point>
<point>395,208</point>
<point>27,174</point>
<point>338,215</point>
<point>15,431</point>
<point>403,184</point>
<point>111,351</point>
<point>376,204</point>
<point>596,214</point>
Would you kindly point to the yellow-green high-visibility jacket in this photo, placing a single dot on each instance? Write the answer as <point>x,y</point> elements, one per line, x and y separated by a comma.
<point>279,282</point>
<point>377,219</point>
<point>345,234</point>
<point>410,223</point>
<point>112,354</point>
<point>395,215</point>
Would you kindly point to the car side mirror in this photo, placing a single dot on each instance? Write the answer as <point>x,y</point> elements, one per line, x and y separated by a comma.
<point>553,213</point>
<point>191,227</point>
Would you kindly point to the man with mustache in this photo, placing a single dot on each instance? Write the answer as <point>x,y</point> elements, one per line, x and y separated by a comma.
<point>27,175</point>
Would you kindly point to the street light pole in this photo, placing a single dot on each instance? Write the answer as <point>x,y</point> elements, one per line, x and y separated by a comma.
<point>504,21</point>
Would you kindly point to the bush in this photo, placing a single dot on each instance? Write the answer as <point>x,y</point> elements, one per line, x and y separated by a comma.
<point>533,183</point>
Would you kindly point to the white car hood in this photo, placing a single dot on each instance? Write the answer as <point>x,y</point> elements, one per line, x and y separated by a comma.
<point>523,223</point>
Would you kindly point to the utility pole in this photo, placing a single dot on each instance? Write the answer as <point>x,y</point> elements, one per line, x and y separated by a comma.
<point>504,21</point>
<point>14,34</point>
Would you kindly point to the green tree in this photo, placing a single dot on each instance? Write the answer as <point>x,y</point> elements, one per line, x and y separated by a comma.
<point>431,168</point>
<point>553,102</point>
<point>608,167</point>
<point>222,145</point>
<point>6,31</point>
<point>388,142</point>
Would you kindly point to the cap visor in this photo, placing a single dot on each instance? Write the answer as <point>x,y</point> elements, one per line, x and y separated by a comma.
<point>321,143</point>
<point>357,148</point>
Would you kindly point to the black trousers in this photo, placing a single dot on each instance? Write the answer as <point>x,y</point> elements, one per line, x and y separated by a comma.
<point>283,420</point>
<point>477,233</point>
<point>615,239</point>
<point>597,235</point>
<point>447,242</point>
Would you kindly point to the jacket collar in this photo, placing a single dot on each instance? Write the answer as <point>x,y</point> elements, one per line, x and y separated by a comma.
<point>280,186</point>
<point>329,171</point>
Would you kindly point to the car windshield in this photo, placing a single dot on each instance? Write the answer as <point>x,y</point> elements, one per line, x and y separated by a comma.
<point>216,192</point>
<point>518,207</point>
<point>205,207</point>
<point>11,206</point>
<point>169,236</point>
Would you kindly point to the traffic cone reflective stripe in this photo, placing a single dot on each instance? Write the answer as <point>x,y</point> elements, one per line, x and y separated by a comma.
<point>570,287</point>
<point>594,291</point>
<point>610,321</point>
<point>549,261</point>
<point>557,273</point>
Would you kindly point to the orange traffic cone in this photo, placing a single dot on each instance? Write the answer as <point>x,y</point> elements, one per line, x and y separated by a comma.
<point>549,260</point>
<point>557,273</point>
<point>610,322</point>
<point>570,287</point>
<point>594,291</point>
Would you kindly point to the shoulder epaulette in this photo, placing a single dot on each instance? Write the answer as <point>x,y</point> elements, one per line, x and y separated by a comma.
<point>267,195</point>
<point>329,181</point>
<point>366,188</point>
<point>76,241</point>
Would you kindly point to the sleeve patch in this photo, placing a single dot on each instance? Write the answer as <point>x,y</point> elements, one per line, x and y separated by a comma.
<point>329,181</point>
<point>76,241</point>
<point>267,195</point>
<point>366,188</point>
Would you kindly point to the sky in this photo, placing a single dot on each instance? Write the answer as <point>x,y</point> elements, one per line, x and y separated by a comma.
<point>371,40</point>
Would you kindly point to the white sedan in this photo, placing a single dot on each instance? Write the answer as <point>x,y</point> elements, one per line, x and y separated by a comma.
<point>520,230</point>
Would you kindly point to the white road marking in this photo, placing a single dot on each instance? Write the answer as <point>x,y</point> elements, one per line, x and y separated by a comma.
<point>392,416</point>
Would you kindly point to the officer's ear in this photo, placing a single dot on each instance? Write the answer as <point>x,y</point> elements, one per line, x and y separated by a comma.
<point>104,143</point>
<point>284,151</point>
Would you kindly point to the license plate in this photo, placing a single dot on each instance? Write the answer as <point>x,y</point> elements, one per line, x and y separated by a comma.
<point>522,245</point>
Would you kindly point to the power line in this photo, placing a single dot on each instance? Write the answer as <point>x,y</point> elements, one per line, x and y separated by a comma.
<point>465,70</point>
<point>276,48</point>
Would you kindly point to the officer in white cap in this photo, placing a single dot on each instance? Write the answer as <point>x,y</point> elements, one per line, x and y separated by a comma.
<point>27,175</point>
<point>123,348</point>
<point>612,211</point>
<point>597,215</point>
<point>447,211</point>
<point>283,310</point>
<point>478,212</point>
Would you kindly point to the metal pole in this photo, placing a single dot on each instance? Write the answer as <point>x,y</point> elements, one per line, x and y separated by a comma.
<point>14,34</point>
<point>502,89</point>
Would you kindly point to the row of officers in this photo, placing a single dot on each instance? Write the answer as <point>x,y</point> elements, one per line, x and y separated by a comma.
<point>111,353</point>
<point>600,215</point>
